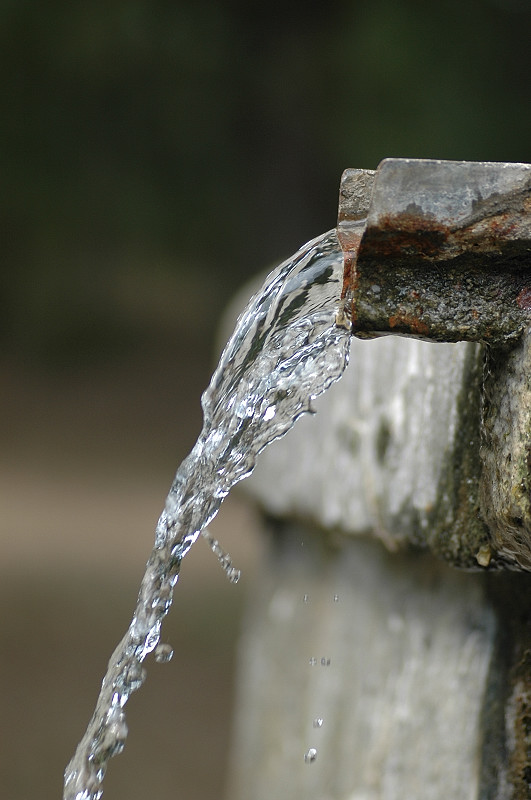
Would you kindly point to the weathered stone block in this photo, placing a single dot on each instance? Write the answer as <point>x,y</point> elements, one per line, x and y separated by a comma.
<point>506,453</point>
<point>393,450</point>
<point>392,654</point>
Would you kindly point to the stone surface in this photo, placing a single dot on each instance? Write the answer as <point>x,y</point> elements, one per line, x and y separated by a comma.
<point>392,653</point>
<point>506,453</point>
<point>393,450</point>
<point>428,691</point>
<point>419,443</point>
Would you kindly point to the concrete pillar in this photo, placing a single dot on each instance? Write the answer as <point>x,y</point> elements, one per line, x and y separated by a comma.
<point>385,608</point>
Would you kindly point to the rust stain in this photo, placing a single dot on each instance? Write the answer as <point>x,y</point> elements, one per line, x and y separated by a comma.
<point>405,233</point>
<point>350,243</point>
<point>412,233</point>
<point>524,299</point>
<point>407,322</point>
<point>348,273</point>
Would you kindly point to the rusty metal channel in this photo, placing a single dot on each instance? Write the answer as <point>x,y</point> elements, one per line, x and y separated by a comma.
<point>439,250</point>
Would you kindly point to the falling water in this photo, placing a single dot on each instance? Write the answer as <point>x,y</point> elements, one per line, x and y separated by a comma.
<point>289,345</point>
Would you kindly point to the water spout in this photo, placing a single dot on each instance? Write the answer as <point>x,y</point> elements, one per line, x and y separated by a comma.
<point>286,350</point>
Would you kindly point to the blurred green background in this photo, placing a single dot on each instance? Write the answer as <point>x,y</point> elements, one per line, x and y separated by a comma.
<point>154,156</point>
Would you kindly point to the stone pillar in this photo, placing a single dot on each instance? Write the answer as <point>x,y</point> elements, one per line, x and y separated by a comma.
<point>387,648</point>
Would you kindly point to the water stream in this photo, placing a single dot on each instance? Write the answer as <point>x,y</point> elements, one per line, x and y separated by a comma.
<point>288,347</point>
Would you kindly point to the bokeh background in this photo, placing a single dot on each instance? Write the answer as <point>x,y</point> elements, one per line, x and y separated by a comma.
<point>153,157</point>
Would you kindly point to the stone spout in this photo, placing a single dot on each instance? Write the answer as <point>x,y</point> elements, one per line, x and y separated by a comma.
<point>439,250</point>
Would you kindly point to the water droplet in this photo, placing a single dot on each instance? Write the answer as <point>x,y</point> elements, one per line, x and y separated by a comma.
<point>162,600</point>
<point>133,677</point>
<point>111,738</point>
<point>234,575</point>
<point>313,662</point>
<point>336,598</point>
<point>91,785</point>
<point>325,662</point>
<point>270,413</point>
<point>224,558</point>
<point>306,598</point>
<point>310,755</point>
<point>163,653</point>
<point>318,722</point>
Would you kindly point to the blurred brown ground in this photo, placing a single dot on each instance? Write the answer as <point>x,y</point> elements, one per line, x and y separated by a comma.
<point>85,464</point>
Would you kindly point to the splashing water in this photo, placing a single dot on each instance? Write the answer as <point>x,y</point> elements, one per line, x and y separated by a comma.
<point>286,350</point>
